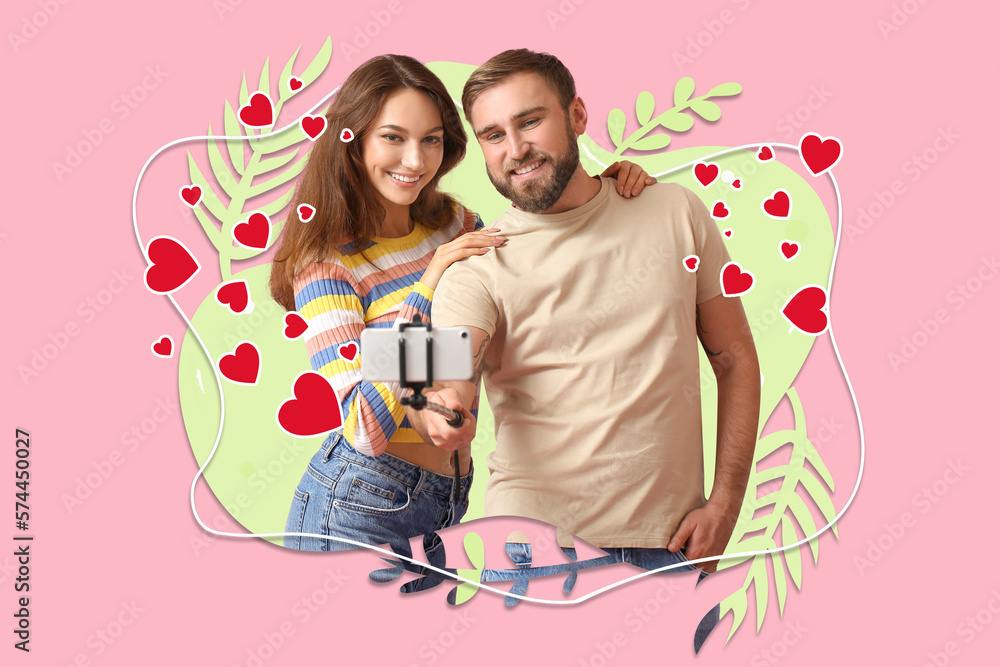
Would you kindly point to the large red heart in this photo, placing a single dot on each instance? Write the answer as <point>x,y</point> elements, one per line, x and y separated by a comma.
<point>306,212</point>
<point>254,232</point>
<point>735,281</point>
<point>706,174</point>
<point>313,408</point>
<point>719,210</point>
<point>765,154</point>
<point>789,249</point>
<point>804,310</point>
<point>294,83</point>
<point>163,347</point>
<point>348,351</point>
<point>234,294</point>
<point>819,154</point>
<point>313,126</point>
<point>243,365</point>
<point>259,112</point>
<point>171,265</point>
<point>191,195</point>
<point>779,205</point>
<point>295,325</point>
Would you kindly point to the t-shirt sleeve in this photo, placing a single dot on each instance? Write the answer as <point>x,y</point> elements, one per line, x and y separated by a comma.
<point>463,297</point>
<point>710,248</point>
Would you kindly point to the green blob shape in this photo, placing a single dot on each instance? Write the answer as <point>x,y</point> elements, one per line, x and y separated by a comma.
<point>247,469</point>
<point>797,230</point>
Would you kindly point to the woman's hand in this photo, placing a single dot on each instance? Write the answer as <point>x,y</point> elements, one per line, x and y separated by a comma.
<point>632,178</point>
<point>466,245</point>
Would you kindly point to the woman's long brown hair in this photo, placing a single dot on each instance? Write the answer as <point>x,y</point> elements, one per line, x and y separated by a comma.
<point>335,183</point>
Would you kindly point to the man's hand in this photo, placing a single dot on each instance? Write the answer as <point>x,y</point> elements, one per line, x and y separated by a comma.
<point>705,532</point>
<point>440,433</point>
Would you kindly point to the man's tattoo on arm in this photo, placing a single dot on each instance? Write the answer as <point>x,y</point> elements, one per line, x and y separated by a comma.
<point>701,330</point>
<point>479,360</point>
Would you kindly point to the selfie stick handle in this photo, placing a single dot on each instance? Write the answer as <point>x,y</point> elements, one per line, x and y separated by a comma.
<point>418,401</point>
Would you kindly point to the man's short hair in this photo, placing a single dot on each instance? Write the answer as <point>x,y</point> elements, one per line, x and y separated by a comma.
<point>516,61</point>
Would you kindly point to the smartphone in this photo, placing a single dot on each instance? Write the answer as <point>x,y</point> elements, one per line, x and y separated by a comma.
<point>451,348</point>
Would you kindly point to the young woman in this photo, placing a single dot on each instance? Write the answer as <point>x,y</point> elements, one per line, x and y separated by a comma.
<point>371,256</point>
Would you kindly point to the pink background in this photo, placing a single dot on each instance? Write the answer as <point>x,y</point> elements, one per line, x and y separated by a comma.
<point>133,544</point>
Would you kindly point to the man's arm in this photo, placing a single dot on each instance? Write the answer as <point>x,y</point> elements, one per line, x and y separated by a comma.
<point>725,335</point>
<point>432,427</point>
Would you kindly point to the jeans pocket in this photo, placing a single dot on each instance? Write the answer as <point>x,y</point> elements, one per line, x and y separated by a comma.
<point>296,516</point>
<point>367,490</point>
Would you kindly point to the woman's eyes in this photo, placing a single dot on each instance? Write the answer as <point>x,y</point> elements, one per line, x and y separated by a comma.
<point>396,138</point>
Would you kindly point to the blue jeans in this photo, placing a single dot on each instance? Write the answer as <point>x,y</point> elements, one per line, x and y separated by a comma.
<point>372,500</point>
<point>646,559</point>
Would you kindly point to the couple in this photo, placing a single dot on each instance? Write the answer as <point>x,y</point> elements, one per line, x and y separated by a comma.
<point>585,323</point>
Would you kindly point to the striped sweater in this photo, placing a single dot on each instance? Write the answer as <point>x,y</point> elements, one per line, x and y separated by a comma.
<point>342,296</point>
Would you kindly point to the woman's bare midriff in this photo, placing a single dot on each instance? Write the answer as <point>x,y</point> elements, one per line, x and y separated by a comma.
<point>432,458</point>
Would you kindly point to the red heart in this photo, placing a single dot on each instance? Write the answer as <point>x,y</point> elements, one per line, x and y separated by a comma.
<point>306,212</point>
<point>234,294</point>
<point>691,263</point>
<point>719,211</point>
<point>728,233</point>
<point>736,184</point>
<point>819,154</point>
<point>346,135</point>
<point>295,325</point>
<point>804,310</point>
<point>313,408</point>
<point>735,281</point>
<point>254,232</point>
<point>779,205</point>
<point>706,173</point>
<point>789,249</point>
<point>163,347</point>
<point>765,154</point>
<point>313,126</point>
<point>191,195</point>
<point>243,366</point>
<point>294,83</point>
<point>259,112</point>
<point>171,265</point>
<point>348,351</point>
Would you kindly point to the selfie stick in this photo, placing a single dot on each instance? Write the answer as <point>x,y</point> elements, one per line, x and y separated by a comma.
<point>418,401</point>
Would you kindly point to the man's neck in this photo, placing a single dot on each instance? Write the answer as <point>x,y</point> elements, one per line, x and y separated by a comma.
<point>580,190</point>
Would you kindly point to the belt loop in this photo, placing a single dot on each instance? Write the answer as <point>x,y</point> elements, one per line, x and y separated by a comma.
<point>420,483</point>
<point>328,446</point>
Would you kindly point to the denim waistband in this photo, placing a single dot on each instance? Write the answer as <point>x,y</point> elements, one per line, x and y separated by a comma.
<point>419,479</point>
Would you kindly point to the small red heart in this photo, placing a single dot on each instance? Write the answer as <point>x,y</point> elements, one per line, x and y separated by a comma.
<point>243,365</point>
<point>728,233</point>
<point>191,195</point>
<point>819,154</point>
<point>346,135</point>
<point>765,153</point>
<point>348,351</point>
<point>789,249</point>
<point>294,83</point>
<point>735,281</point>
<point>306,212</point>
<point>171,265</point>
<point>804,310</point>
<point>163,347</point>
<point>719,210</point>
<point>259,112</point>
<point>779,205</point>
<point>313,408</point>
<point>313,126</point>
<point>691,263</point>
<point>254,232</point>
<point>706,174</point>
<point>236,295</point>
<point>736,184</point>
<point>295,325</point>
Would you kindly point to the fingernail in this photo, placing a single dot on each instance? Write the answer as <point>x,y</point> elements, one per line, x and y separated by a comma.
<point>619,189</point>
<point>492,229</point>
<point>635,191</point>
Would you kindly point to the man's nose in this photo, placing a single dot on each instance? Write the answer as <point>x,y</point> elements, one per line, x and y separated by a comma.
<point>517,147</point>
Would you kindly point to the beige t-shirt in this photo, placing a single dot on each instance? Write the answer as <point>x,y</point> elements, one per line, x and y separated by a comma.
<point>592,369</point>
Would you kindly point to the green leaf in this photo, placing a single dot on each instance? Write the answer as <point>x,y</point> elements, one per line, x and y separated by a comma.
<point>318,63</point>
<point>234,128</point>
<point>616,126</point>
<point>683,90</point>
<point>279,180</point>
<point>652,142</point>
<point>818,494</point>
<point>278,142</point>
<point>805,519</point>
<point>218,164</point>
<point>771,443</point>
<point>710,111</point>
<point>209,201</point>
<point>274,207</point>
<point>755,543</point>
<point>644,107</point>
<point>760,587</point>
<point>244,97</point>
<point>792,556</point>
<point>736,603</point>
<point>273,163</point>
<point>676,121</point>
<point>286,74</point>
<point>725,90</point>
<point>264,85</point>
<point>780,581</point>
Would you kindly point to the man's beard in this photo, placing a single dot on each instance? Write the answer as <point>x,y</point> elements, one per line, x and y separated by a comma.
<point>539,194</point>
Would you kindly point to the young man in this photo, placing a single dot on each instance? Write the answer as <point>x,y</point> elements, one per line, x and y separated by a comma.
<point>586,327</point>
